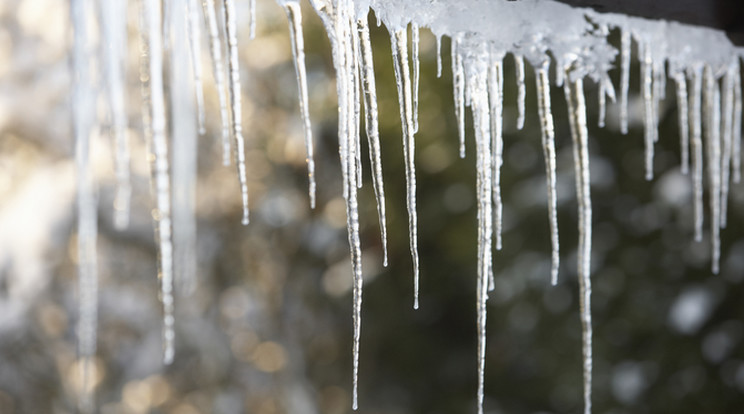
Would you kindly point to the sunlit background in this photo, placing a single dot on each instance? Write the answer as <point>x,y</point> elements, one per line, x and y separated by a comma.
<point>268,328</point>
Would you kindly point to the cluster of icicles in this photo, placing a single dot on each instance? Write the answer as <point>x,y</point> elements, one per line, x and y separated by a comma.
<point>482,33</point>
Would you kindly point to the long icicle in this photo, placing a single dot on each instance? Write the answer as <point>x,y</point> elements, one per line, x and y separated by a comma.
<point>712,97</point>
<point>83,120</point>
<point>235,98</point>
<point>458,80</point>
<point>727,139</point>
<point>159,168</point>
<point>218,72</point>
<point>184,146</point>
<point>625,41</point>
<point>294,15</point>
<point>736,144</point>
<point>577,116</point>
<point>649,119</point>
<point>496,96</point>
<point>548,144</point>
<point>521,90</point>
<point>696,144</point>
<point>402,75</point>
<point>355,97</point>
<point>477,83</point>
<point>194,35</point>
<point>114,34</point>
<point>416,73</point>
<point>684,123</point>
<point>371,122</point>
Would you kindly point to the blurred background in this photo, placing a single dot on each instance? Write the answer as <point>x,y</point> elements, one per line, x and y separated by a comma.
<point>268,328</point>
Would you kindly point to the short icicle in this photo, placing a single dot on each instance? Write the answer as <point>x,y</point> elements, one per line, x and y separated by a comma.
<point>458,80</point>
<point>235,101</point>
<point>712,97</point>
<point>87,213</point>
<point>403,80</point>
<point>625,41</point>
<point>548,144</point>
<point>218,71</point>
<point>521,90</point>
<point>159,169</point>
<point>439,56</point>
<point>684,123</point>
<point>371,123</point>
<point>194,35</point>
<point>574,91</point>
<point>649,119</point>
<point>416,73</point>
<point>477,70</point>
<point>252,18</point>
<point>727,133</point>
<point>115,38</point>
<point>696,146</point>
<point>602,101</point>
<point>294,15</point>
<point>496,101</point>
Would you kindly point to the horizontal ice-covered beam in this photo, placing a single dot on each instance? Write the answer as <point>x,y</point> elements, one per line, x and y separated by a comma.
<point>726,15</point>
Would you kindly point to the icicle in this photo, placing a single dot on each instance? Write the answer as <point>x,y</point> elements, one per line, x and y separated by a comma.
<point>496,95</point>
<point>416,73</point>
<point>235,97</point>
<point>294,15</point>
<point>649,120</point>
<point>548,144</point>
<point>684,129</point>
<point>402,77</point>
<point>521,92</point>
<point>159,168</point>
<point>194,35</point>
<point>371,123</point>
<point>727,139</point>
<point>712,95</point>
<point>458,79</point>
<point>624,78</point>
<point>252,21</point>
<point>577,117</point>
<point>356,98</point>
<point>480,87</point>
<point>602,104</point>
<point>218,71</point>
<point>696,76</point>
<point>83,122</point>
<point>114,35</point>
<point>184,146</point>
<point>736,139</point>
<point>439,56</point>
<point>659,92</point>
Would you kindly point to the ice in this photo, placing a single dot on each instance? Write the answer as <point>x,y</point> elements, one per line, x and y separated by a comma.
<point>399,43</point>
<point>115,40</point>
<point>416,73</point>
<point>649,105</point>
<point>727,133</point>
<point>235,101</point>
<point>736,144</point>
<point>159,165</point>
<point>574,92</point>
<point>194,36</point>
<point>712,98</point>
<point>373,136</point>
<point>184,147</point>
<point>496,96</point>
<point>625,41</point>
<point>87,213</point>
<point>218,72</point>
<point>696,143</point>
<point>519,63</point>
<point>684,123</point>
<point>458,80</point>
<point>439,56</point>
<point>294,15</point>
<point>253,17</point>
<point>548,144</point>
